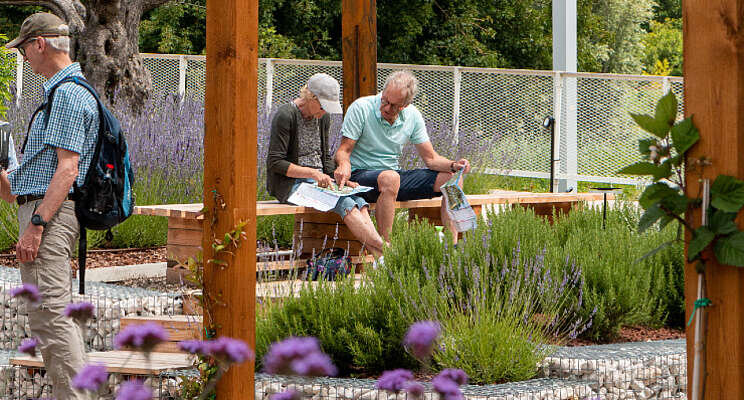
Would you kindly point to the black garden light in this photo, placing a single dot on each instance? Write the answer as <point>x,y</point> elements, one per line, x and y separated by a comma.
<point>549,122</point>
<point>604,191</point>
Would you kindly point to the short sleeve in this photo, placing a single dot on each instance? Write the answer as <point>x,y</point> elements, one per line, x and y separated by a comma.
<point>419,134</point>
<point>66,127</point>
<point>354,121</point>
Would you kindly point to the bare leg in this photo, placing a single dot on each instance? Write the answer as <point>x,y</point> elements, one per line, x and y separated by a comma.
<point>388,183</point>
<point>442,178</point>
<point>361,226</point>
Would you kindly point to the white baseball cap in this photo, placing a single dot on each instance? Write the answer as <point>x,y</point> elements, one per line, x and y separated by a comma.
<point>327,89</point>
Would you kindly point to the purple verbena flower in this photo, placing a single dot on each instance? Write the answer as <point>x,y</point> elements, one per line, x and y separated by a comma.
<point>414,389</point>
<point>193,346</point>
<point>28,346</point>
<point>133,390</point>
<point>421,337</point>
<point>27,291</point>
<point>142,337</point>
<point>91,377</point>
<point>394,380</point>
<point>288,395</point>
<point>297,355</point>
<point>80,312</point>
<point>314,364</point>
<point>229,350</point>
<point>446,388</point>
<point>455,375</point>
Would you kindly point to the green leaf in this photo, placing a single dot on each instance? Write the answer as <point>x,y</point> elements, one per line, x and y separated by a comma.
<point>656,193</point>
<point>700,239</point>
<point>651,125</point>
<point>730,250</point>
<point>666,109</point>
<point>644,144</point>
<point>650,217</point>
<point>684,135</point>
<point>647,168</point>
<point>722,223</point>
<point>664,170</point>
<point>664,221</point>
<point>677,204</point>
<point>727,193</point>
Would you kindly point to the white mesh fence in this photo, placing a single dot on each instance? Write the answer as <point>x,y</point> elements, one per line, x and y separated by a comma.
<point>596,136</point>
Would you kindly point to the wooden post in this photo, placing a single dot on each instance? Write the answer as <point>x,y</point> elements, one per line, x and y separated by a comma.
<point>230,178</point>
<point>359,46</point>
<point>714,95</point>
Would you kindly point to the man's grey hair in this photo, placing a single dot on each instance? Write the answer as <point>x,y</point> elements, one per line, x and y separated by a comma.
<point>59,43</point>
<point>406,80</point>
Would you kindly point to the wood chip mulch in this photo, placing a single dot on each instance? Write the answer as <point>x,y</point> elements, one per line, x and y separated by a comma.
<point>637,334</point>
<point>106,257</point>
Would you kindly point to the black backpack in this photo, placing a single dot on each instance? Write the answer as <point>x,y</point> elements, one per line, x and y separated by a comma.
<point>105,199</point>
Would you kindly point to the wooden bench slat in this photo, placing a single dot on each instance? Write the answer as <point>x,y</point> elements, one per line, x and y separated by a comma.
<point>123,362</point>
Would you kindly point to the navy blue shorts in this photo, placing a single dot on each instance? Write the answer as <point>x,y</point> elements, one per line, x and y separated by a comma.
<point>414,184</point>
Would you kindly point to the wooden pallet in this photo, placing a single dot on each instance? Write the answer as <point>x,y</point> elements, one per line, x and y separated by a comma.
<point>123,362</point>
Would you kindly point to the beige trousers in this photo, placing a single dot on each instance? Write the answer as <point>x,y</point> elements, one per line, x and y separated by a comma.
<point>61,340</point>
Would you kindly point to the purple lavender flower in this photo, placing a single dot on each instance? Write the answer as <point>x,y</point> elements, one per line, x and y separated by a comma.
<point>288,395</point>
<point>27,291</point>
<point>229,350</point>
<point>394,380</point>
<point>193,346</point>
<point>28,346</point>
<point>421,337</point>
<point>91,377</point>
<point>446,388</point>
<point>133,390</point>
<point>414,389</point>
<point>455,375</point>
<point>297,355</point>
<point>80,312</point>
<point>141,337</point>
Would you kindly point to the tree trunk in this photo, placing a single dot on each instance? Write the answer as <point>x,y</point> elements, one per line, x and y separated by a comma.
<point>105,41</point>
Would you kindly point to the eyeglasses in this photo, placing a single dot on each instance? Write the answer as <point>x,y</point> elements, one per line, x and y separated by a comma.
<point>20,46</point>
<point>384,103</point>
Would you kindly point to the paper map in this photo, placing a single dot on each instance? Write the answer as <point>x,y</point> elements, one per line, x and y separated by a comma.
<point>458,208</point>
<point>322,199</point>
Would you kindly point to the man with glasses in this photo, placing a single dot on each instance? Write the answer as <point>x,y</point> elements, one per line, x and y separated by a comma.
<point>57,153</point>
<point>374,131</point>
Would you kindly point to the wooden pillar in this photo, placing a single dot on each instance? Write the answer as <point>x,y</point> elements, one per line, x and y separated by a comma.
<point>359,46</point>
<point>714,95</point>
<point>230,178</point>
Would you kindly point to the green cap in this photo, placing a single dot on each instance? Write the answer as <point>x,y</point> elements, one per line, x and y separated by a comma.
<point>40,24</point>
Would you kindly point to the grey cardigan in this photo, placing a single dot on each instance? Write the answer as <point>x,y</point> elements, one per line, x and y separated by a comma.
<point>283,150</point>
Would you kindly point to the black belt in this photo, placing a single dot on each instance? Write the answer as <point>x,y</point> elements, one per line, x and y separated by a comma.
<point>25,198</point>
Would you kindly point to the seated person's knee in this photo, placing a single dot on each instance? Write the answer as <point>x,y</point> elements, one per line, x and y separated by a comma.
<point>388,181</point>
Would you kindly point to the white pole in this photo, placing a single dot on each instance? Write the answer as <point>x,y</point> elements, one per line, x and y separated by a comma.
<point>182,65</point>
<point>564,59</point>
<point>19,76</point>
<point>269,84</point>
<point>558,118</point>
<point>456,106</point>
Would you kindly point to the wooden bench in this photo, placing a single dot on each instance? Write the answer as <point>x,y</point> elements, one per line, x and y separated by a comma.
<point>179,327</point>
<point>314,228</point>
<point>123,362</point>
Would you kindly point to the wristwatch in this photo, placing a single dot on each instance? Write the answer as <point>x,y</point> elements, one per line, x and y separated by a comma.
<point>38,221</point>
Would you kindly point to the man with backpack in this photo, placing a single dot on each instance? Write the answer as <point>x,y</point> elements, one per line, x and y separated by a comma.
<point>56,157</point>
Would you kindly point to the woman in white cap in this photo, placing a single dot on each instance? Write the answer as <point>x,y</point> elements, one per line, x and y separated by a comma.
<point>298,152</point>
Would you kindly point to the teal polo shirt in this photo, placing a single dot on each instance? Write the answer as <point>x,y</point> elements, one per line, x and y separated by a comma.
<point>378,143</point>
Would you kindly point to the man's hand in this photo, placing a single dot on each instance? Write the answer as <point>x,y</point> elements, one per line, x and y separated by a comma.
<point>351,184</point>
<point>27,247</point>
<point>323,180</point>
<point>461,164</point>
<point>342,174</point>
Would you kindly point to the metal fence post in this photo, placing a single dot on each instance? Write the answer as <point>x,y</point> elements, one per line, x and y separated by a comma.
<point>269,84</point>
<point>457,79</point>
<point>569,134</point>
<point>182,65</point>
<point>666,85</point>
<point>558,119</point>
<point>19,76</point>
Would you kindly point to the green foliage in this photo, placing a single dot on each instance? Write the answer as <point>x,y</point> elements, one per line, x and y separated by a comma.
<point>7,77</point>
<point>663,44</point>
<point>176,27</point>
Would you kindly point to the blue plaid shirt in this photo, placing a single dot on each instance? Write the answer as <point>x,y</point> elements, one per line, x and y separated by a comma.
<point>73,126</point>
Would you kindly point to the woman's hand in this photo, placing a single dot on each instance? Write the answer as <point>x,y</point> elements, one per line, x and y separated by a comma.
<point>322,179</point>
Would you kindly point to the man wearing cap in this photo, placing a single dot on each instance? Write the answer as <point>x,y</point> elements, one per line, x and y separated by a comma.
<point>374,131</point>
<point>56,154</point>
<point>298,152</point>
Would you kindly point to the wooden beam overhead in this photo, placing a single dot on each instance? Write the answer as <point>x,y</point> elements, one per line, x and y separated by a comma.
<point>714,96</point>
<point>230,178</point>
<point>359,47</point>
